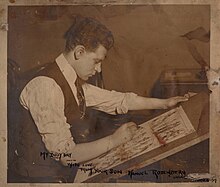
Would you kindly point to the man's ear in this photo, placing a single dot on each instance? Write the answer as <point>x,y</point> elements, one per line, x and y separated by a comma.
<point>79,51</point>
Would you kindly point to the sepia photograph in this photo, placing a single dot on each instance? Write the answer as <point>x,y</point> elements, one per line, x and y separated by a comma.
<point>110,93</point>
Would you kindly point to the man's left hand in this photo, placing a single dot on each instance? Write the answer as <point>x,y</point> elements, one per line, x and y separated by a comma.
<point>170,102</point>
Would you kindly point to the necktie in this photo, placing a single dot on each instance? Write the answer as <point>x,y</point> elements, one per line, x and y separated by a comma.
<point>80,96</point>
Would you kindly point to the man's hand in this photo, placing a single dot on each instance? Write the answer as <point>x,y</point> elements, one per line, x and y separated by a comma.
<point>86,151</point>
<point>124,133</point>
<point>170,102</point>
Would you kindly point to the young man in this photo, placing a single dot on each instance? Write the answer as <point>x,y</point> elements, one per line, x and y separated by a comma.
<point>53,116</point>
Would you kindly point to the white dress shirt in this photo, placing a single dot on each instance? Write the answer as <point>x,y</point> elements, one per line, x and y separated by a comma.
<point>43,97</point>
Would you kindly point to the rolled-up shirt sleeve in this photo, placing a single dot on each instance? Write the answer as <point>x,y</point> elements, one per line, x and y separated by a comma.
<point>44,99</point>
<point>111,102</point>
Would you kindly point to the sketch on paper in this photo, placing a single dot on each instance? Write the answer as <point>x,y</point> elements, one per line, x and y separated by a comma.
<point>152,134</point>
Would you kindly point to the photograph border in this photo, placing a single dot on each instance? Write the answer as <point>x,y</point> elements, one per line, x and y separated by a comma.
<point>214,64</point>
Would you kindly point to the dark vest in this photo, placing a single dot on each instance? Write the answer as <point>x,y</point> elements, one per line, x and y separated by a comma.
<point>30,161</point>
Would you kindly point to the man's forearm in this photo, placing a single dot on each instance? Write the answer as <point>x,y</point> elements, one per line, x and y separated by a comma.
<point>141,103</point>
<point>86,151</point>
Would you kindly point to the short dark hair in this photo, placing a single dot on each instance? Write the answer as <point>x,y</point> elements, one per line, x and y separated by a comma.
<point>88,32</point>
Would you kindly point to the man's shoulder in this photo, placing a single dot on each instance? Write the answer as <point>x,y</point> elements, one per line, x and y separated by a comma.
<point>41,83</point>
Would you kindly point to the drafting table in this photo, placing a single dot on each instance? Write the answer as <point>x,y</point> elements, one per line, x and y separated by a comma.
<point>197,110</point>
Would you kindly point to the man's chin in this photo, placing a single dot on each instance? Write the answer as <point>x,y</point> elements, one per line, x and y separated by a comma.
<point>90,76</point>
<point>85,78</point>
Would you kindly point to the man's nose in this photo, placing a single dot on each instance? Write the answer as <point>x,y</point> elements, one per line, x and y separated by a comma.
<point>98,67</point>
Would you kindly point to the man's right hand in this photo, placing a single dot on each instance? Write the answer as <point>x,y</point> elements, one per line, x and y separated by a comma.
<point>86,151</point>
<point>124,133</point>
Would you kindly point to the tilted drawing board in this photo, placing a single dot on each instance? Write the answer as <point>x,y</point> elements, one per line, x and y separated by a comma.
<point>162,136</point>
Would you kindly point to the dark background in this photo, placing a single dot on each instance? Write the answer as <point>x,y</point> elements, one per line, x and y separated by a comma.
<point>147,39</point>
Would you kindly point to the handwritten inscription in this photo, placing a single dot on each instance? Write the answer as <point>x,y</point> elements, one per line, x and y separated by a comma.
<point>99,171</point>
<point>132,173</point>
<point>205,180</point>
<point>173,173</point>
<point>54,155</point>
<point>88,167</point>
<point>157,173</point>
<point>91,170</point>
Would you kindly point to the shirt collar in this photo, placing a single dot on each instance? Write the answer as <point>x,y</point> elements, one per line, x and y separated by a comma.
<point>66,68</point>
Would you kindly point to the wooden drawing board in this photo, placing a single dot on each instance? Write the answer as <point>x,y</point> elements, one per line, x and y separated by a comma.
<point>196,110</point>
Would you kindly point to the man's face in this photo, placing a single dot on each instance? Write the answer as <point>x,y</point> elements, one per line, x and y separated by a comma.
<point>90,62</point>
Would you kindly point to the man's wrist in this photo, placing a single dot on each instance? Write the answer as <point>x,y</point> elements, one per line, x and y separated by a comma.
<point>164,103</point>
<point>111,143</point>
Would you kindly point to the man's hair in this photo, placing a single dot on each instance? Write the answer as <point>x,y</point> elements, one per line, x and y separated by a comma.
<point>88,32</point>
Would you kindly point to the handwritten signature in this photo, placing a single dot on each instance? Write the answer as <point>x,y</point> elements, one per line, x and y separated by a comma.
<point>157,173</point>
